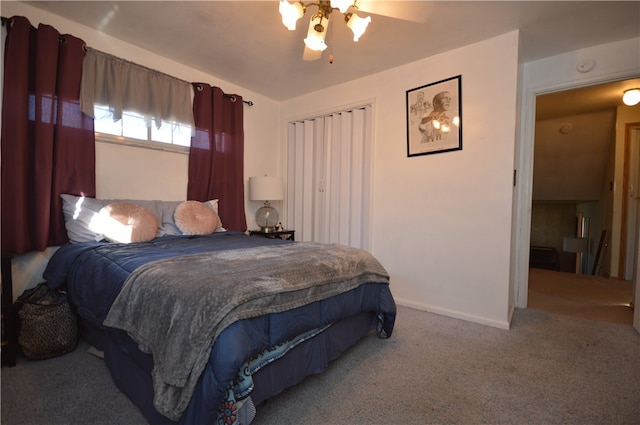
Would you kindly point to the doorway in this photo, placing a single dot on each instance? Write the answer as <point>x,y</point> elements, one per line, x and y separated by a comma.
<point>579,190</point>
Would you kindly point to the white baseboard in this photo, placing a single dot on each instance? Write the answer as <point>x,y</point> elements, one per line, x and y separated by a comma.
<point>457,314</point>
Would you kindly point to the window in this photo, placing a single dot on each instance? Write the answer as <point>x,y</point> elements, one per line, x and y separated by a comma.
<point>133,128</point>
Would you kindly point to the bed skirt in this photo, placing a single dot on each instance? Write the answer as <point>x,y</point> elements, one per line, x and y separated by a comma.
<point>131,369</point>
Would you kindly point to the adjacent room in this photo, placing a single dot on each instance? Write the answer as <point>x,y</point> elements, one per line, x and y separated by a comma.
<point>582,246</point>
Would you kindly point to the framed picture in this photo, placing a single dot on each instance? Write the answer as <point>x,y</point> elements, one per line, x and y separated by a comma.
<point>434,117</point>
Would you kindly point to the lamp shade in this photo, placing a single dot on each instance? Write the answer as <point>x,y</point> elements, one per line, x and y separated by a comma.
<point>266,188</point>
<point>317,33</point>
<point>290,13</point>
<point>342,5</point>
<point>358,25</point>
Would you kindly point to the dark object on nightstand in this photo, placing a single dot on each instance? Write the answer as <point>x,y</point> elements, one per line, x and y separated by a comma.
<point>9,316</point>
<point>288,235</point>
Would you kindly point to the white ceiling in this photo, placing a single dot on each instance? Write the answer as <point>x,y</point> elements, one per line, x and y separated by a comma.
<point>244,42</point>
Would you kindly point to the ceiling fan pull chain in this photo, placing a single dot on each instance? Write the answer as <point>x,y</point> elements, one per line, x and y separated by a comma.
<point>331,43</point>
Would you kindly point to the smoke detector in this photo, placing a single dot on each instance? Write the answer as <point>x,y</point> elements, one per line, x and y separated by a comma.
<point>566,128</point>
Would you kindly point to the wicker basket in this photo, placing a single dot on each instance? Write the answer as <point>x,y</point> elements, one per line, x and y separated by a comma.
<point>48,326</point>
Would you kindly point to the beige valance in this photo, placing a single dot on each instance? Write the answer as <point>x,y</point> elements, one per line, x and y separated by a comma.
<point>125,86</point>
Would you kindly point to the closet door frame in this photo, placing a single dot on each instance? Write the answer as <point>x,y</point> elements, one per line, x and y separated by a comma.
<point>329,173</point>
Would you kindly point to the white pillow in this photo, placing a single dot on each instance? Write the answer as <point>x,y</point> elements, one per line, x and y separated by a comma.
<point>125,222</point>
<point>195,218</point>
<point>213,204</point>
<point>81,218</point>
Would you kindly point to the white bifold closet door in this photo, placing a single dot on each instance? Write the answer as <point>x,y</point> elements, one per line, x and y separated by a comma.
<point>329,178</point>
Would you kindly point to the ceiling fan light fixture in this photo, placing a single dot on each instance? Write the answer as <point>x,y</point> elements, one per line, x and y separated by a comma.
<point>357,24</point>
<point>319,23</point>
<point>290,13</point>
<point>317,33</point>
<point>631,97</point>
<point>342,5</point>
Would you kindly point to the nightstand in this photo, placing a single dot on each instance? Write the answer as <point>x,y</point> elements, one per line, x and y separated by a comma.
<point>288,235</point>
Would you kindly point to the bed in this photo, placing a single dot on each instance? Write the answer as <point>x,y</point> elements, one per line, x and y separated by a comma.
<point>203,328</point>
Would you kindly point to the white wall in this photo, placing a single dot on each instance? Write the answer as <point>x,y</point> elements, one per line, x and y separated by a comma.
<point>613,61</point>
<point>126,172</point>
<point>442,222</point>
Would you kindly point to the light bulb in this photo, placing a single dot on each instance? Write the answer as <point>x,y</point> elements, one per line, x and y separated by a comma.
<point>631,97</point>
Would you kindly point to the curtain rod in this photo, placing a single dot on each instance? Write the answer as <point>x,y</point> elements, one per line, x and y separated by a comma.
<point>231,96</point>
<point>233,99</point>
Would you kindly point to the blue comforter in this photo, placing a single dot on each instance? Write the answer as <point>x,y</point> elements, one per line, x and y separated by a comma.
<point>94,274</point>
<point>103,267</point>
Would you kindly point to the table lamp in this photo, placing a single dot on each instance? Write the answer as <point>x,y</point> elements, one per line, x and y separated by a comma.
<point>266,189</point>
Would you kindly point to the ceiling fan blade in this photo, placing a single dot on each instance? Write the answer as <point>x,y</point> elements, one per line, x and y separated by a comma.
<point>311,55</point>
<point>415,11</point>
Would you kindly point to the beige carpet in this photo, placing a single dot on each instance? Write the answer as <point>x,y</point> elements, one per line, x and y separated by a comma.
<point>584,296</point>
<point>547,369</point>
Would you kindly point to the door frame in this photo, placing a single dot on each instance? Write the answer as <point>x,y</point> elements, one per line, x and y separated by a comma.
<point>524,187</point>
<point>630,127</point>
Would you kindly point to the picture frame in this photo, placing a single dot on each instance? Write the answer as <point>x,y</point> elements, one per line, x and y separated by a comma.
<point>434,117</point>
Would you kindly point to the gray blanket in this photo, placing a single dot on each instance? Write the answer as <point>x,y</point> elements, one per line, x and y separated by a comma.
<point>175,308</point>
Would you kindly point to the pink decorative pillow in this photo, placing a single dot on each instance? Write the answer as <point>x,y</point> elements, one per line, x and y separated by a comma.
<point>195,218</point>
<point>125,223</point>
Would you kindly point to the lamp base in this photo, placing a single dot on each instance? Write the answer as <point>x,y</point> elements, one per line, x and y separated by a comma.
<point>269,229</point>
<point>267,218</point>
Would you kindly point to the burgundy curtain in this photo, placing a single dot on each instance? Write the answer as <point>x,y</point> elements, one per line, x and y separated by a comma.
<point>216,156</point>
<point>48,145</point>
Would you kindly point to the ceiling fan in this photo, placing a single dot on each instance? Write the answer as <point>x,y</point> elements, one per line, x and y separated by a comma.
<point>319,22</point>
